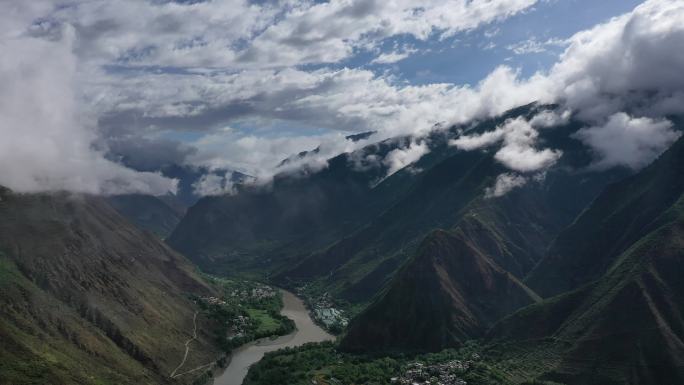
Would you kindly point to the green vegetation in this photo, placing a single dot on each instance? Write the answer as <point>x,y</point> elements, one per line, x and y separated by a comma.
<point>267,324</point>
<point>32,357</point>
<point>245,311</point>
<point>74,313</point>
<point>323,363</point>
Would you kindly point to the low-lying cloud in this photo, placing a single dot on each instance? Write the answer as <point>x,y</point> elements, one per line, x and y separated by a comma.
<point>504,184</point>
<point>399,158</point>
<point>213,184</point>
<point>622,78</point>
<point>46,145</point>
<point>627,141</point>
<point>518,150</point>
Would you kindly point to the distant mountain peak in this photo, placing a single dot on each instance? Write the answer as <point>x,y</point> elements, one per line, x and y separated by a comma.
<point>360,136</point>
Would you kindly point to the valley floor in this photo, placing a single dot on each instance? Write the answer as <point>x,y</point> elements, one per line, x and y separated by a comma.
<point>324,364</point>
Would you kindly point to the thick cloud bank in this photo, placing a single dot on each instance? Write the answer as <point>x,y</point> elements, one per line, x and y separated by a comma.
<point>121,76</point>
<point>622,78</point>
<point>45,145</point>
<point>403,157</point>
<point>627,141</point>
<point>133,76</point>
<point>517,152</point>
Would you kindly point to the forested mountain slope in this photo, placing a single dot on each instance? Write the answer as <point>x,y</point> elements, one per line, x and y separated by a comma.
<point>88,298</point>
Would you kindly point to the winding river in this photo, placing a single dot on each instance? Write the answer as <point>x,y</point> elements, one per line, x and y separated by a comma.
<point>243,357</point>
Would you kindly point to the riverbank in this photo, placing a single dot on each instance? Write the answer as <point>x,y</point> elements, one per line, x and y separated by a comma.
<point>305,331</point>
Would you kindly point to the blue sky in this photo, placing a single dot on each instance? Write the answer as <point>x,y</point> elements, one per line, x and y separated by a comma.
<point>468,57</point>
<point>466,60</point>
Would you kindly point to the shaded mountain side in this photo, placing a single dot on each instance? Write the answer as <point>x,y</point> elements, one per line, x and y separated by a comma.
<point>355,267</point>
<point>621,215</point>
<point>625,328</point>
<point>348,228</point>
<point>452,183</point>
<point>515,229</point>
<point>226,232</point>
<point>300,212</point>
<point>261,227</point>
<point>88,298</point>
<point>449,292</point>
<point>627,325</point>
<point>155,214</point>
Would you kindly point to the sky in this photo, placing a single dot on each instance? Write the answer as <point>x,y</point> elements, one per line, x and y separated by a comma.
<point>97,95</point>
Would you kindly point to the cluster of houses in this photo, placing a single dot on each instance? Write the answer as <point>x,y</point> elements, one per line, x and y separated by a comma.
<point>446,373</point>
<point>330,317</point>
<point>325,313</point>
<point>238,326</point>
<point>323,310</point>
<point>255,293</point>
<point>213,301</point>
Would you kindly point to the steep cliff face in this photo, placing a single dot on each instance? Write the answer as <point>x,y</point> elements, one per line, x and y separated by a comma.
<point>622,214</point>
<point>624,322</point>
<point>88,298</point>
<point>451,291</point>
<point>625,328</point>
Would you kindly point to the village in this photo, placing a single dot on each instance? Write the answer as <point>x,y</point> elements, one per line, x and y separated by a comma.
<point>324,312</point>
<point>238,327</point>
<point>240,303</point>
<point>256,293</point>
<point>447,373</point>
<point>242,296</point>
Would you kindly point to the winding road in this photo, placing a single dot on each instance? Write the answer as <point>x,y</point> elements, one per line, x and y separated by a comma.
<point>245,356</point>
<point>187,349</point>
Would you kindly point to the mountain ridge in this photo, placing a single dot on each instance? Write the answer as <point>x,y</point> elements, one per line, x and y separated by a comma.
<point>448,293</point>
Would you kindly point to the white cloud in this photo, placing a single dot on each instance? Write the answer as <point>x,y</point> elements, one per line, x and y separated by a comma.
<point>621,77</point>
<point>521,157</point>
<point>46,144</point>
<point>534,46</point>
<point>550,118</point>
<point>225,75</point>
<point>132,32</point>
<point>504,184</point>
<point>213,184</point>
<point>474,142</point>
<point>393,56</point>
<point>338,100</point>
<point>627,141</point>
<point>399,158</point>
<point>260,156</point>
<point>329,32</point>
<point>631,62</point>
<point>246,34</point>
<point>517,151</point>
<point>237,63</point>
